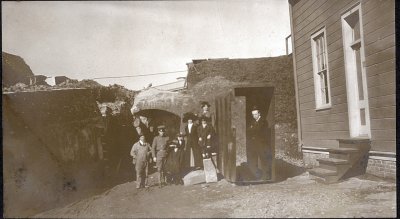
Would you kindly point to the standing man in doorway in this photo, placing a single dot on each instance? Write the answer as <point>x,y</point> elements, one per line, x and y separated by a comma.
<point>258,148</point>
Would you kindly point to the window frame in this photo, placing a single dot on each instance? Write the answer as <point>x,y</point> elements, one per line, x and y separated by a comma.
<point>319,105</point>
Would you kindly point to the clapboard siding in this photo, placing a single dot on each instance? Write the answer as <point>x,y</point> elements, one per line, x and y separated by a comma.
<point>322,127</point>
<point>382,145</point>
<point>382,67</point>
<point>382,89</point>
<point>382,101</point>
<point>339,117</point>
<point>336,126</point>
<point>381,56</point>
<point>373,34</point>
<point>382,113</point>
<point>379,41</point>
<point>320,19</point>
<point>324,135</point>
<point>386,123</point>
<point>309,110</point>
<point>370,15</point>
<point>384,134</point>
<point>383,78</point>
<point>379,45</point>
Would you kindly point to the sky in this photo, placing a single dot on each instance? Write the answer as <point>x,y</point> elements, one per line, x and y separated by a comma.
<point>90,39</point>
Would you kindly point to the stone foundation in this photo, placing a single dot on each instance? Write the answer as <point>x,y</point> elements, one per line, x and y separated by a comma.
<point>310,158</point>
<point>382,167</point>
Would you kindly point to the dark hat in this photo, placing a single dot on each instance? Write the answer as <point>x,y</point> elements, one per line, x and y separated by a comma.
<point>203,103</point>
<point>205,118</point>
<point>255,107</point>
<point>180,135</point>
<point>188,116</point>
<point>161,128</point>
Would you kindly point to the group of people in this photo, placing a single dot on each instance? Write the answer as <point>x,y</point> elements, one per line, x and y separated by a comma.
<point>173,156</point>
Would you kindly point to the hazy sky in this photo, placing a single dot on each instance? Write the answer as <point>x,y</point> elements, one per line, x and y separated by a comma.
<point>84,40</point>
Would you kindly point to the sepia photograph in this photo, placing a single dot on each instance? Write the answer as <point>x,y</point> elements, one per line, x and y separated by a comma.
<point>199,109</point>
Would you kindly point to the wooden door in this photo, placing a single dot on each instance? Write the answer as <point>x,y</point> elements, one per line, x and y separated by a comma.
<point>226,136</point>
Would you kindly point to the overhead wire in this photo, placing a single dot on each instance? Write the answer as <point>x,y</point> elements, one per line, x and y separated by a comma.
<point>130,76</point>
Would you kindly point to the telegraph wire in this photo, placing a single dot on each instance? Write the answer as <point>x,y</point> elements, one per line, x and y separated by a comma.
<point>130,76</point>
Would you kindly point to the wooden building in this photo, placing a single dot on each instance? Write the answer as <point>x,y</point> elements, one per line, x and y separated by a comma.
<point>344,67</point>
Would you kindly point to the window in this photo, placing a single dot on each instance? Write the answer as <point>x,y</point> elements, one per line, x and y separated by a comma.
<point>320,69</point>
<point>356,81</point>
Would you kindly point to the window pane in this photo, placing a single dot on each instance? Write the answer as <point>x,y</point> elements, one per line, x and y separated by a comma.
<point>326,87</point>
<point>356,28</point>
<point>362,116</point>
<point>359,74</point>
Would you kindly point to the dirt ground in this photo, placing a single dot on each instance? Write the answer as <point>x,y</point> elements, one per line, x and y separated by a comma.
<point>298,196</point>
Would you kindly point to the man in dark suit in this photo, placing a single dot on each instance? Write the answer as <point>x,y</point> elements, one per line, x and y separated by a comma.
<point>257,147</point>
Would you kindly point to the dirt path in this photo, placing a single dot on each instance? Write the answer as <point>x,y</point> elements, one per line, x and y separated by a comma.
<point>295,197</point>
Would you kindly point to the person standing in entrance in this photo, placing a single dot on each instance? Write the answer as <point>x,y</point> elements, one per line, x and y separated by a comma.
<point>159,152</point>
<point>140,153</point>
<point>257,147</point>
<point>192,148</point>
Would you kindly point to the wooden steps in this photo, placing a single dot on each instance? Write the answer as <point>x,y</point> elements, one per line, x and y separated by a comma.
<point>345,161</point>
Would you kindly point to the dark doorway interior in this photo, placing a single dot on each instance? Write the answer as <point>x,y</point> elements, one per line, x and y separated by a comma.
<point>161,117</point>
<point>257,166</point>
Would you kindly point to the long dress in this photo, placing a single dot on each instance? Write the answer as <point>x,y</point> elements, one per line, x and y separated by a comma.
<point>174,160</point>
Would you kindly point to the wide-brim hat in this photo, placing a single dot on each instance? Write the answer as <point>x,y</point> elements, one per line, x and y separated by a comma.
<point>161,128</point>
<point>205,118</point>
<point>188,116</point>
<point>180,135</point>
<point>203,103</point>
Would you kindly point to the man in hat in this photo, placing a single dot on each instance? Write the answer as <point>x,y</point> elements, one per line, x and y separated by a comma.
<point>192,147</point>
<point>257,149</point>
<point>205,111</point>
<point>140,153</point>
<point>159,152</point>
<point>206,133</point>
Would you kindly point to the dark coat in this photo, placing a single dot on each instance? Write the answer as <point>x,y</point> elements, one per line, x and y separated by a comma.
<point>258,131</point>
<point>191,137</point>
<point>174,159</point>
<point>203,133</point>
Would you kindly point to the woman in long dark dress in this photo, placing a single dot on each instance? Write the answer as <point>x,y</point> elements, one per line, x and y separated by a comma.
<point>174,161</point>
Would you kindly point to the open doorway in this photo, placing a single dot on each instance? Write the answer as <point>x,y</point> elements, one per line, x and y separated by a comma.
<point>254,161</point>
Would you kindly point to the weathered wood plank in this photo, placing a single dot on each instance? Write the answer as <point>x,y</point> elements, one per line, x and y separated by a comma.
<point>383,145</point>
<point>321,143</point>
<point>381,101</point>
<point>387,134</point>
<point>386,123</point>
<point>382,90</point>
<point>376,9</point>
<point>383,112</point>
<point>378,68</point>
<point>381,79</point>
<point>326,135</point>
<point>381,56</point>
<point>373,34</point>
<point>338,117</point>
<point>380,45</point>
<point>338,126</point>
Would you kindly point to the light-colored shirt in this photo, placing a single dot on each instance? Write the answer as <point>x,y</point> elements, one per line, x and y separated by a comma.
<point>190,127</point>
